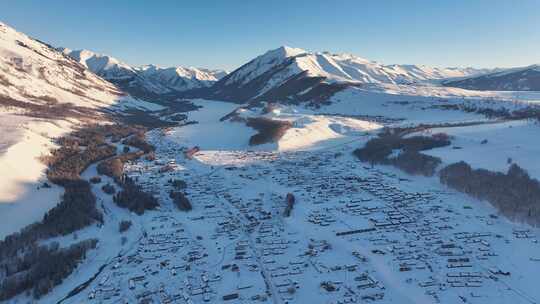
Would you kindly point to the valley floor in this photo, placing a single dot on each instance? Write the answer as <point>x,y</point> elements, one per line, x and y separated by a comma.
<point>494,146</point>
<point>355,234</point>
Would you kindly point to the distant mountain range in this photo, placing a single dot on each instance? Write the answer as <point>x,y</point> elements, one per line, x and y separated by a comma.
<point>149,81</point>
<point>33,70</point>
<point>516,79</point>
<point>282,74</point>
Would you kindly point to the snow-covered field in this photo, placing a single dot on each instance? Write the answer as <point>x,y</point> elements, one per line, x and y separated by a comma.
<point>411,240</point>
<point>210,133</point>
<point>491,146</point>
<point>313,132</point>
<point>415,105</point>
<point>309,130</point>
<point>22,199</point>
<point>356,233</point>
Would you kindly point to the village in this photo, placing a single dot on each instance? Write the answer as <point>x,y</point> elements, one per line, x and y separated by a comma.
<point>298,227</point>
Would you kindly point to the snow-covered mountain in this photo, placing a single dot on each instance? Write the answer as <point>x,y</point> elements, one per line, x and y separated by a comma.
<point>263,202</point>
<point>37,79</point>
<point>516,79</point>
<point>43,95</point>
<point>181,78</point>
<point>149,81</point>
<point>292,73</point>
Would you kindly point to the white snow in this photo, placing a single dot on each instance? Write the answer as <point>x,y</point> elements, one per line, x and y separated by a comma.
<point>404,108</point>
<point>262,64</point>
<point>22,172</point>
<point>210,133</point>
<point>322,184</point>
<point>157,79</point>
<point>514,140</point>
<point>36,74</point>
<point>238,191</point>
<point>100,64</point>
<point>339,68</point>
<point>33,72</point>
<point>309,131</point>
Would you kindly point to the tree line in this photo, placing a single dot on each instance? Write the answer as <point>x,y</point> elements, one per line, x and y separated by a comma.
<point>40,268</point>
<point>180,200</point>
<point>114,166</point>
<point>134,198</point>
<point>25,265</point>
<point>138,141</point>
<point>269,130</point>
<point>514,193</point>
<point>380,150</point>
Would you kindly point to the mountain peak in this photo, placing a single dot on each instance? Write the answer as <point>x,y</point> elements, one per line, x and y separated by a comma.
<point>284,72</point>
<point>290,51</point>
<point>147,81</point>
<point>103,65</point>
<point>284,52</point>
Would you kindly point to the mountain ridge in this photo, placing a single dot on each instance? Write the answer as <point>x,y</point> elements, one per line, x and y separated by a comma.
<point>38,80</point>
<point>282,74</point>
<point>148,81</point>
<point>513,79</point>
<point>289,74</point>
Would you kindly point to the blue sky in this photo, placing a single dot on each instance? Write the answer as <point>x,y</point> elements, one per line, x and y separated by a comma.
<point>227,33</point>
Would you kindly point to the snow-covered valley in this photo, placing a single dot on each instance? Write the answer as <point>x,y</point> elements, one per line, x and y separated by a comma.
<point>356,233</point>
<point>283,181</point>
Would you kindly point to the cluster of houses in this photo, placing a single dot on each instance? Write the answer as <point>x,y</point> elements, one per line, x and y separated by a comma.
<point>238,245</point>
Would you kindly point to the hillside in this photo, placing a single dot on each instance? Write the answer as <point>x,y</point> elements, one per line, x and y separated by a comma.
<point>516,79</point>
<point>43,95</point>
<point>40,81</point>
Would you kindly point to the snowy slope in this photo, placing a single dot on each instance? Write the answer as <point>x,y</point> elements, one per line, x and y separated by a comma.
<point>343,67</point>
<point>286,72</point>
<point>309,130</point>
<point>43,95</point>
<point>103,65</point>
<point>33,73</point>
<point>346,67</point>
<point>22,200</point>
<point>492,146</point>
<point>148,81</point>
<point>38,80</point>
<point>516,79</point>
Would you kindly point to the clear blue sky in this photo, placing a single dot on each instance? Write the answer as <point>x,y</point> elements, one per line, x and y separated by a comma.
<point>227,33</point>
